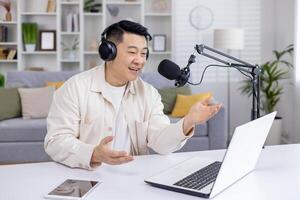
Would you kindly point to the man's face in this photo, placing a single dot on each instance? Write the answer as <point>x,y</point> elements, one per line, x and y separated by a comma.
<point>130,59</point>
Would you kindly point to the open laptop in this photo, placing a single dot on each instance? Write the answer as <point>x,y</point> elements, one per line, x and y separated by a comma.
<point>207,178</point>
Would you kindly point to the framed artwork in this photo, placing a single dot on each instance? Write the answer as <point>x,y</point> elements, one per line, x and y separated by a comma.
<point>47,40</point>
<point>159,42</point>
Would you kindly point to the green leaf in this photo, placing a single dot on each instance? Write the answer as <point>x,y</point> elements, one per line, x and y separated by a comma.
<point>271,73</point>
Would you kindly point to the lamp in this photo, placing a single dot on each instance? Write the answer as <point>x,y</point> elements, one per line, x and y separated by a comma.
<point>228,39</point>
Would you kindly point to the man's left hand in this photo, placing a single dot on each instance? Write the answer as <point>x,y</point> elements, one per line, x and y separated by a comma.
<point>199,113</point>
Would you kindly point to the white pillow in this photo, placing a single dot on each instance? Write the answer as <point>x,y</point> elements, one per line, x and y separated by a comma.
<point>36,102</point>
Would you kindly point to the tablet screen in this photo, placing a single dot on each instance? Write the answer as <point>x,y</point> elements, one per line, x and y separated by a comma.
<point>73,188</point>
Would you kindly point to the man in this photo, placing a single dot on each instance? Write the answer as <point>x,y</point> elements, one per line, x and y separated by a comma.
<point>107,114</point>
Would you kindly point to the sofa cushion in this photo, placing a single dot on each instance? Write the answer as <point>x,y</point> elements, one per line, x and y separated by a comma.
<point>56,84</point>
<point>19,130</point>
<point>36,102</point>
<point>184,103</point>
<point>10,105</point>
<point>168,96</point>
<point>35,79</point>
<point>201,130</point>
<point>157,80</point>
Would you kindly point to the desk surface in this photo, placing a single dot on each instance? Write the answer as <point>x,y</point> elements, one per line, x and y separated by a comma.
<point>277,176</point>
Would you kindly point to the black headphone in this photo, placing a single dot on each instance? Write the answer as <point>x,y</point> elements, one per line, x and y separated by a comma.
<point>107,50</point>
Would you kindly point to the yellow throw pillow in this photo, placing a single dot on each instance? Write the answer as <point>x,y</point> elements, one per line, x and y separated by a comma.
<point>184,103</point>
<point>56,85</point>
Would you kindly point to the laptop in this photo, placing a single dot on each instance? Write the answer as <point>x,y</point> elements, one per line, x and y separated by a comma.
<point>207,178</point>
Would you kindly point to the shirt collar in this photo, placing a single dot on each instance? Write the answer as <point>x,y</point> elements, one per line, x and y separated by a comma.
<point>98,81</point>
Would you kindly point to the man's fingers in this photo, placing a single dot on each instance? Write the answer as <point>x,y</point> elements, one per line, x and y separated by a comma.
<point>214,109</point>
<point>206,100</point>
<point>106,140</point>
<point>116,154</point>
<point>120,160</point>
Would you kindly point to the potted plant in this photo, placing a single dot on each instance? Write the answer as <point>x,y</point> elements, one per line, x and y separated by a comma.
<point>2,80</point>
<point>29,32</point>
<point>70,49</point>
<point>7,6</point>
<point>272,73</point>
<point>92,6</point>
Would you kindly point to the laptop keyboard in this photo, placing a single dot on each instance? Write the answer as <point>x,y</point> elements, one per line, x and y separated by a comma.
<point>201,178</point>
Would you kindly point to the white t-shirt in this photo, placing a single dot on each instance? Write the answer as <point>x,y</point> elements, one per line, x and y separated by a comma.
<point>120,131</point>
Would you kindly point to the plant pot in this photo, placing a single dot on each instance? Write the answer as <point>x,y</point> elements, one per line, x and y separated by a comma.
<point>274,136</point>
<point>8,16</point>
<point>30,47</point>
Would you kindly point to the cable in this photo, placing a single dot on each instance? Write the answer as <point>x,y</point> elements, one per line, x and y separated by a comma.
<point>214,65</point>
<point>235,67</point>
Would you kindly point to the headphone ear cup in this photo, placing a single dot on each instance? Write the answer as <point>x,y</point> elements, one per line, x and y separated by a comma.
<point>107,50</point>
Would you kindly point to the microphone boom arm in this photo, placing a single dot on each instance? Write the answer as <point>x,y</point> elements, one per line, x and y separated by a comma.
<point>253,70</point>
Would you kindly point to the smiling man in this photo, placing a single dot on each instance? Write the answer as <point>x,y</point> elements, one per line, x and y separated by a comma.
<point>108,114</point>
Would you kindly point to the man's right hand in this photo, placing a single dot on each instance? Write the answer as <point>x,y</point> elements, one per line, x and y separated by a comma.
<point>103,154</point>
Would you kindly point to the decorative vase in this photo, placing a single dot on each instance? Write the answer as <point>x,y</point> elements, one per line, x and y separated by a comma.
<point>70,54</point>
<point>8,16</point>
<point>30,47</point>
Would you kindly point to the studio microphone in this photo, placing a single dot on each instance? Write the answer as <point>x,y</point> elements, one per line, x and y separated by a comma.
<point>172,71</point>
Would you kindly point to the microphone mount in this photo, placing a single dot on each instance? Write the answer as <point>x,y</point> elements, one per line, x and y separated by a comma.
<point>253,70</point>
<point>185,73</point>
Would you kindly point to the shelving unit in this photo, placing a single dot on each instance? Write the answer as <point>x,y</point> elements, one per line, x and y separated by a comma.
<point>12,40</point>
<point>90,27</point>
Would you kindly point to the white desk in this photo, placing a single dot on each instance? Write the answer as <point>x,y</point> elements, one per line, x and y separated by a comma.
<point>277,177</point>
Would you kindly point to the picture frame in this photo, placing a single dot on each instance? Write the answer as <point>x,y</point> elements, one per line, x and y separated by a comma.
<point>47,40</point>
<point>159,42</point>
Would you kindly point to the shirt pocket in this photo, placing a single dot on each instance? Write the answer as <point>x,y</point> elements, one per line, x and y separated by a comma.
<point>142,136</point>
<point>91,130</point>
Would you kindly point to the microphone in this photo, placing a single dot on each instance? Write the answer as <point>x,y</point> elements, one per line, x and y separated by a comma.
<point>172,71</point>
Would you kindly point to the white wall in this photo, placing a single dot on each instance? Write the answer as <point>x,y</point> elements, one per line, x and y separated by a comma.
<point>232,14</point>
<point>284,35</point>
<point>275,31</point>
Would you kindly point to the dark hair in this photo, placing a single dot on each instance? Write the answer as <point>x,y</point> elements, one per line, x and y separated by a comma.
<point>115,31</point>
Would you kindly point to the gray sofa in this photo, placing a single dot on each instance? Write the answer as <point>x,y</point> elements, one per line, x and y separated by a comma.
<point>22,140</point>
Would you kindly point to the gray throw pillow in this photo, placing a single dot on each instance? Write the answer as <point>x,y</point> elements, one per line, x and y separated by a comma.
<point>10,104</point>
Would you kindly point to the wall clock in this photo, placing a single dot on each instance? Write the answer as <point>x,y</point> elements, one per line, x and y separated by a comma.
<point>201,17</point>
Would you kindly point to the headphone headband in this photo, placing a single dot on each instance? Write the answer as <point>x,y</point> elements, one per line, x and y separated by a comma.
<point>107,49</point>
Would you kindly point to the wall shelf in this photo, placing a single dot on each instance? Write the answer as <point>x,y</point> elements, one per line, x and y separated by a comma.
<point>70,33</point>
<point>8,23</point>
<point>93,14</point>
<point>91,25</point>
<point>38,14</point>
<point>70,61</point>
<point>70,3</point>
<point>40,53</point>
<point>8,43</point>
<point>91,52</point>
<point>8,61</point>
<point>120,3</point>
<point>158,15</point>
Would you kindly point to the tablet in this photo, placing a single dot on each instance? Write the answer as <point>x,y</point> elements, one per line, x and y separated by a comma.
<point>72,189</point>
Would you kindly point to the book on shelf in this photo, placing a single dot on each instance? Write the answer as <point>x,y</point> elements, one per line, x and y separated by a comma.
<point>3,33</point>
<point>51,6</point>
<point>69,22</point>
<point>3,53</point>
<point>72,22</point>
<point>75,22</point>
<point>11,55</point>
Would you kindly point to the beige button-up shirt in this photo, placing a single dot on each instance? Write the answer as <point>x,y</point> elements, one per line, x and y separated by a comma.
<point>81,115</point>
